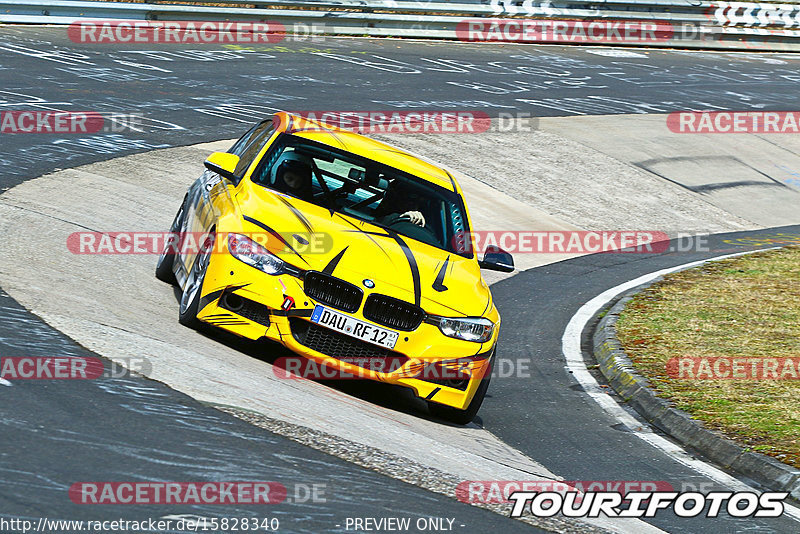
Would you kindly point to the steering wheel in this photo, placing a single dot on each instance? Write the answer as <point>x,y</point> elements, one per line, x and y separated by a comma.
<point>404,226</point>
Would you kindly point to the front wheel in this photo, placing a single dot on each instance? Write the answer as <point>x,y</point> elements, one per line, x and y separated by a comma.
<point>465,416</point>
<point>190,299</point>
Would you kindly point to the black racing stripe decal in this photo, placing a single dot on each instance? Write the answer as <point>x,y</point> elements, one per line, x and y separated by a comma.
<point>432,393</point>
<point>372,233</point>
<point>214,295</point>
<point>412,263</point>
<point>332,133</point>
<point>395,151</point>
<point>438,284</point>
<point>236,288</point>
<point>208,299</point>
<point>276,234</point>
<point>334,262</point>
<point>369,235</point>
<point>488,300</point>
<point>297,213</point>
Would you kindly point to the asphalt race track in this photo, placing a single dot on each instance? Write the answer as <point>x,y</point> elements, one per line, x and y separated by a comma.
<point>593,445</point>
<point>134,428</point>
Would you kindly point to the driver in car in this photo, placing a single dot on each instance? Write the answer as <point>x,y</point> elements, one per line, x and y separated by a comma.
<point>399,205</point>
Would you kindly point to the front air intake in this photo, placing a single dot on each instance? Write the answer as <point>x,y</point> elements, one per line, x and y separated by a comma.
<point>392,312</point>
<point>332,291</point>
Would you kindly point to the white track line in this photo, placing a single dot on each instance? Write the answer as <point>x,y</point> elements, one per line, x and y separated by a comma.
<point>571,348</point>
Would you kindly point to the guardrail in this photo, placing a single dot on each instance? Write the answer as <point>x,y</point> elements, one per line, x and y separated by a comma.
<point>680,23</point>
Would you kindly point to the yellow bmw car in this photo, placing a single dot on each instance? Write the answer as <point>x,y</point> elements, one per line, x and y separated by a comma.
<point>353,254</point>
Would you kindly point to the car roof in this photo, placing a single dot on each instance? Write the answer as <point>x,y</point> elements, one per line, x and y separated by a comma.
<point>365,147</point>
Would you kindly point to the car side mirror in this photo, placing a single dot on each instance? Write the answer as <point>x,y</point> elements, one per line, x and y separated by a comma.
<point>497,259</point>
<point>223,164</point>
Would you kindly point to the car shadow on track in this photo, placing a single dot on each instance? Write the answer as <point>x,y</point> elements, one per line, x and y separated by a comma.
<point>389,396</point>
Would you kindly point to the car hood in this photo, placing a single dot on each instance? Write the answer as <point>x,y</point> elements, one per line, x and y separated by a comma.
<point>443,283</point>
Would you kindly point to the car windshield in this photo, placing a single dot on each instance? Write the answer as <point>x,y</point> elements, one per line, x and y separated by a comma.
<point>367,190</point>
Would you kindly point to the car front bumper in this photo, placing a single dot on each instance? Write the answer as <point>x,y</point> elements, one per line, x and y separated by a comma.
<point>251,304</point>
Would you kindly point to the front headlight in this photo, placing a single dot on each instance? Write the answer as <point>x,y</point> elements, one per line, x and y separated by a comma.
<point>475,329</point>
<point>248,251</point>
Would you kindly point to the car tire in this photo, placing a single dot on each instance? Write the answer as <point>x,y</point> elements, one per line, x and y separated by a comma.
<point>190,298</point>
<point>166,262</point>
<point>465,416</point>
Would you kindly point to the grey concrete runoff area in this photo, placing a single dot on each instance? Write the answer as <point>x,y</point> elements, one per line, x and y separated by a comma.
<point>562,179</point>
<point>631,171</point>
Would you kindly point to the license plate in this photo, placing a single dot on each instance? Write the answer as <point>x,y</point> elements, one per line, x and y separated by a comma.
<point>354,327</point>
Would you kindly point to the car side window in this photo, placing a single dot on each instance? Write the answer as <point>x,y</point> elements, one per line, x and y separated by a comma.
<point>248,147</point>
<point>238,146</point>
